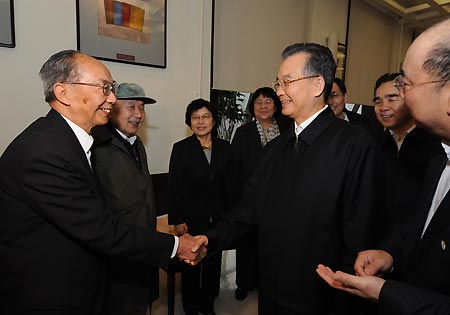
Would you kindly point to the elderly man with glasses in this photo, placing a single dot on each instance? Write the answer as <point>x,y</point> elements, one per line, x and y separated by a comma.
<point>55,229</point>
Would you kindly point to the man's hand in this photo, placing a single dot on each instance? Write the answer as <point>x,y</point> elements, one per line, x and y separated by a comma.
<point>367,287</point>
<point>181,229</point>
<point>202,240</point>
<point>373,263</point>
<point>189,251</point>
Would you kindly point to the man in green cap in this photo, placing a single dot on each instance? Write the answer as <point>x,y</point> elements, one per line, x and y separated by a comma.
<point>120,165</point>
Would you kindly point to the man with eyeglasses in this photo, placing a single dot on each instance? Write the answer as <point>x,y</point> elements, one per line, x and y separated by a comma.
<point>407,150</point>
<point>419,248</point>
<point>55,229</point>
<point>337,100</point>
<point>119,161</point>
<point>313,196</point>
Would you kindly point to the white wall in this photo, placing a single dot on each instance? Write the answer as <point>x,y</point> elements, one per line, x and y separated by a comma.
<point>249,38</point>
<point>46,26</point>
<point>327,17</point>
<point>375,46</point>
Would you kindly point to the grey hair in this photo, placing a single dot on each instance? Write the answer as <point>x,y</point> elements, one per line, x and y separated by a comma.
<point>60,67</point>
<point>437,62</point>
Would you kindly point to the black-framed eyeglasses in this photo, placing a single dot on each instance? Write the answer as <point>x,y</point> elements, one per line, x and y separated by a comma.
<point>284,83</point>
<point>400,84</point>
<point>107,87</point>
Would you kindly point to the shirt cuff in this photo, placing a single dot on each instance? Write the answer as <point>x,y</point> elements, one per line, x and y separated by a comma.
<point>175,247</point>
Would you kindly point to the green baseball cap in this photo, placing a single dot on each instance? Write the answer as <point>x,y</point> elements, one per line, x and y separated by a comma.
<point>131,91</point>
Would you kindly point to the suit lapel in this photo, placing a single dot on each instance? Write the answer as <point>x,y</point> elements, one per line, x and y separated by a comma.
<point>70,136</point>
<point>216,151</point>
<point>256,137</point>
<point>441,217</point>
<point>198,152</point>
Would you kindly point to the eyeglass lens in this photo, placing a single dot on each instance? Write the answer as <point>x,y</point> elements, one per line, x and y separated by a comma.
<point>266,102</point>
<point>109,87</point>
<point>202,117</point>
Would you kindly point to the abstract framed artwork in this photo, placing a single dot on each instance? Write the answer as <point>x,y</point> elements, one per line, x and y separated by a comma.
<point>128,31</point>
<point>7,34</point>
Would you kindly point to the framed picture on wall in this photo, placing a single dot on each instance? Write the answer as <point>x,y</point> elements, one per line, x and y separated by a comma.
<point>7,36</point>
<point>127,31</point>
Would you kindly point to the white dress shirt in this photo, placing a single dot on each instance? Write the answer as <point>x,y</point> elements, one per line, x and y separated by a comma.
<point>83,137</point>
<point>303,125</point>
<point>441,190</point>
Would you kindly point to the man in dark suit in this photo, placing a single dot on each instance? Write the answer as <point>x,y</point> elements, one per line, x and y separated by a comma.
<point>337,99</point>
<point>313,196</point>
<point>119,161</point>
<point>407,150</point>
<point>54,227</point>
<point>418,249</point>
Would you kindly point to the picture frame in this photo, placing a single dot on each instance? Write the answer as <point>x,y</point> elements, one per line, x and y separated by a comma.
<point>126,31</point>
<point>7,31</point>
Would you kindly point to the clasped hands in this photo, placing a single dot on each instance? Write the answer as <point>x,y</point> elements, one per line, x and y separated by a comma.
<point>369,266</point>
<point>192,249</point>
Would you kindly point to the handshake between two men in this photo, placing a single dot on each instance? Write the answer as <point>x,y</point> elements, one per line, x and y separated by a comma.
<point>192,249</point>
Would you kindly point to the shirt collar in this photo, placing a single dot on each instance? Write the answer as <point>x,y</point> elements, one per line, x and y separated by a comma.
<point>407,131</point>
<point>446,149</point>
<point>131,140</point>
<point>83,137</point>
<point>303,125</point>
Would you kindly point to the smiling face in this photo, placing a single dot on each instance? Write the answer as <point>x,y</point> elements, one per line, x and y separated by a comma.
<point>202,122</point>
<point>128,116</point>
<point>264,108</point>
<point>429,103</point>
<point>85,105</point>
<point>300,99</point>
<point>337,100</point>
<point>390,108</point>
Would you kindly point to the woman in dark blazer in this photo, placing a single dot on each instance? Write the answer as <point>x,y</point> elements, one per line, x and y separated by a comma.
<point>199,173</point>
<point>248,145</point>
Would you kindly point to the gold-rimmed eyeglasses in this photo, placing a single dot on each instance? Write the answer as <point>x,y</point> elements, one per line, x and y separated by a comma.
<point>400,84</point>
<point>201,117</point>
<point>107,87</point>
<point>284,83</point>
<point>266,102</point>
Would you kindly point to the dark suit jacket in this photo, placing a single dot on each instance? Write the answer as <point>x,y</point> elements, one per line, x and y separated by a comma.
<point>127,185</point>
<point>406,170</point>
<point>357,119</point>
<point>127,190</point>
<point>248,151</point>
<point>54,226</point>
<point>399,298</point>
<point>423,262</point>
<point>198,191</point>
<point>313,202</point>
<point>364,123</point>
